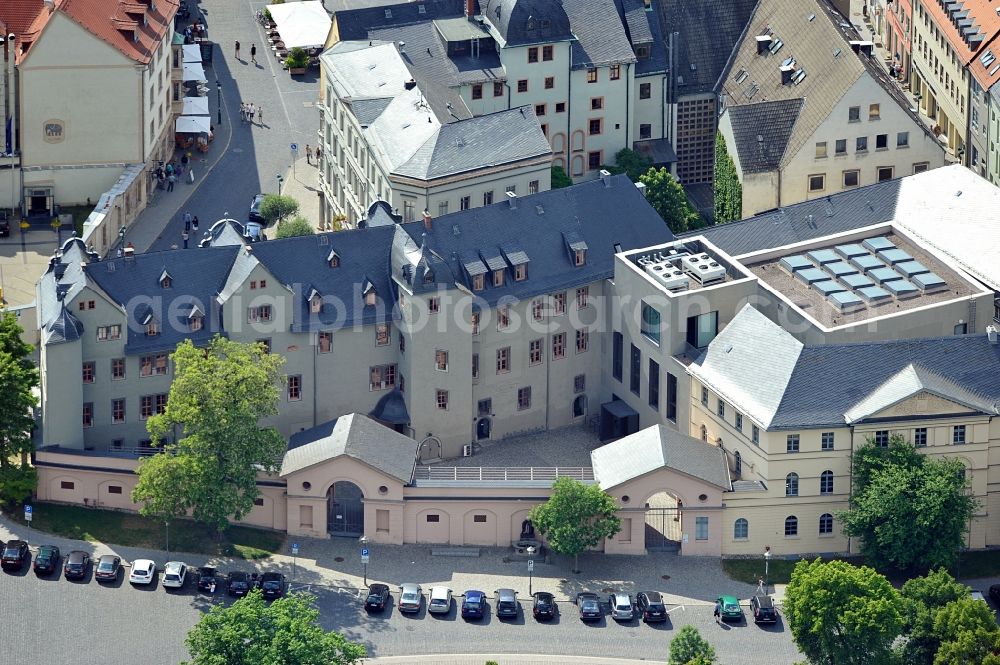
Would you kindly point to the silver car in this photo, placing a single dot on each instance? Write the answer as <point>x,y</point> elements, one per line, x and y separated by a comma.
<point>440,600</point>
<point>411,597</point>
<point>621,606</point>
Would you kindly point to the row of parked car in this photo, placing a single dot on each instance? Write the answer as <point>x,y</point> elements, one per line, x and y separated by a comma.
<point>107,568</point>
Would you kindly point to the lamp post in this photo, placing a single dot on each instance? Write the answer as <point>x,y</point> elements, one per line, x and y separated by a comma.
<point>218,86</point>
<point>530,549</point>
<point>767,561</point>
<point>280,180</point>
<point>363,540</point>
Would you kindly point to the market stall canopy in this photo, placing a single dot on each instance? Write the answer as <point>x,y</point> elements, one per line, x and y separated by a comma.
<point>303,24</point>
<point>193,71</point>
<point>192,53</point>
<point>194,124</point>
<point>195,106</point>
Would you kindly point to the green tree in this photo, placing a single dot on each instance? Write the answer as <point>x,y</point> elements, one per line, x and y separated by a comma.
<point>667,197</point>
<point>218,396</point>
<point>841,614</point>
<point>922,598</point>
<point>252,632</point>
<point>18,379</point>
<point>968,633</point>
<point>727,189</point>
<point>277,206</point>
<point>630,163</point>
<point>559,178</point>
<point>299,226</point>
<point>575,517</point>
<point>910,511</point>
<point>689,647</point>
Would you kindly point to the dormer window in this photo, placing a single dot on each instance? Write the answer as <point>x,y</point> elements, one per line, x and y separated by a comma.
<point>152,328</point>
<point>642,52</point>
<point>498,278</point>
<point>333,259</point>
<point>579,257</point>
<point>196,322</point>
<point>370,298</point>
<point>428,277</point>
<point>315,303</point>
<point>166,281</point>
<point>521,272</point>
<point>478,282</point>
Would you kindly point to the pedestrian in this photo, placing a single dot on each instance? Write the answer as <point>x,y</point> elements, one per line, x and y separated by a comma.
<point>184,239</point>
<point>309,154</point>
<point>250,112</point>
<point>119,253</point>
<point>187,223</point>
<point>253,53</point>
<point>194,223</point>
<point>717,613</point>
<point>243,111</point>
<point>260,115</point>
<point>170,168</point>
<point>237,49</point>
<point>171,179</point>
<point>318,155</point>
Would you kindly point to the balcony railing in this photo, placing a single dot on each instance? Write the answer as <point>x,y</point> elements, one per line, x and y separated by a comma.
<point>508,474</point>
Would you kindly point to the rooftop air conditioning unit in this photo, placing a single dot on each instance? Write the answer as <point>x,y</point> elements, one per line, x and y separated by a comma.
<point>669,276</point>
<point>703,268</point>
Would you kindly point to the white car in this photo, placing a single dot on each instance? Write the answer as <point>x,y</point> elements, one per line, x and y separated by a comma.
<point>440,602</point>
<point>143,571</point>
<point>174,574</point>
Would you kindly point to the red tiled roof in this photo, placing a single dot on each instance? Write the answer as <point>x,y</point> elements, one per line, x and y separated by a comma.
<point>25,19</point>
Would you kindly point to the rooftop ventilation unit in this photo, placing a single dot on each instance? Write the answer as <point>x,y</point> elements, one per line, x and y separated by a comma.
<point>863,47</point>
<point>703,268</point>
<point>668,275</point>
<point>763,43</point>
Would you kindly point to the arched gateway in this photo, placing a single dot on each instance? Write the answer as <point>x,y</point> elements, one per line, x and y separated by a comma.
<point>345,509</point>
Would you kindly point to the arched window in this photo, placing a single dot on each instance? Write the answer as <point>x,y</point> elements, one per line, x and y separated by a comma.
<point>741,529</point>
<point>737,463</point>
<point>791,525</point>
<point>704,434</point>
<point>792,484</point>
<point>826,482</point>
<point>826,523</point>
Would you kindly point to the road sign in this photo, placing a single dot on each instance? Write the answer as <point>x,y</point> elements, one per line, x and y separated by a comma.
<point>27,512</point>
<point>365,558</point>
<point>295,147</point>
<point>364,551</point>
<point>531,565</point>
<point>295,549</point>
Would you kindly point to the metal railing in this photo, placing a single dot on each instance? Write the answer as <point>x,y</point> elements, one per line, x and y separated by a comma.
<point>514,473</point>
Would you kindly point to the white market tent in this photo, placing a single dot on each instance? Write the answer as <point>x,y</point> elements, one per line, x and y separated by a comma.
<point>193,71</point>
<point>193,124</point>
<point>192,53</point>
<point>195,106</point>
<point>302,24</point>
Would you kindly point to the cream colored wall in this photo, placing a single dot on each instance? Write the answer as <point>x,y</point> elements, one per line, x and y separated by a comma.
<point>932,73</point>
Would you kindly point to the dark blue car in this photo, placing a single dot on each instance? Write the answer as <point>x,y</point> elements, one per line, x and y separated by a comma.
<point>473,605</point>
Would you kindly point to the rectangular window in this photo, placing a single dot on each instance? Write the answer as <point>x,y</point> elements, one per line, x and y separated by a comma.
<point>498,88</point>
<point>114,489</point>
<point>324,342</point>
<point>488,198</point>
<point>592,75</point>
<point>595,126</point>
<point>66,484</point>
<point>537,309</point>
<point>702,329</point>
<point>920,437</point>
<point>560,107</point>
<point>579,383</point>
<point>117,369</point>
<point>635,367</point>
<point>477,91</point>
<point>503,360</point>
<point>817,182</point>
<point>755,435</point>
<point>533,54</point>
<point>739,422</point>
<point>534,352</point>
<point>596,104</point>
<point>885,173</point>
<point>645,90</point>
<point>958,435</point>
<point>485,407</point>
<point>522,85</point>
<point>650,324</point>
<point>653,398</point>
<point>433,519</point>
<point>533,187</point>
<point>266,343</point>
<point>594,159</point>
<point>503,317</point>
<point>582,341</point>
<point>882,438</point>
<point>881,141</point>
<point>434,305</point>
<point>539,109</point>
<point>645,131</point>
<point>261,313</point>
<point>873,112</point>
<point>118,410</point>
<point>479,518</point>
<point>294,388</point>
<point>902,139</point>
<point>559,346</point>
<point>704,396</point>
<point>854,114</point>
<point>442,208</point>
<point>475,365</point>
<point>792,443</point>
<point>381,377</point>
<point>559,303</point>
<point>615,72</point>
<point>88,414</point>
<point>524,398</point>
<point>582,294</point>
<point>153,365</point>
<point>475,323</point>
<point>852,178</point>
<point>701,528</point>
<point>820,149</point>
<point>920,167</point>
<point>442,399</point>
<point>546,53</point>
<point>861,144</point>
<point>720,409</point>
<point>465,203</point>
<point>671,397</point>
<point>841,146</point>
<point>88,372</point>
<point>382,335</point>
<point>441,360</point>
<point>826,441</point>
<point>616,356</point>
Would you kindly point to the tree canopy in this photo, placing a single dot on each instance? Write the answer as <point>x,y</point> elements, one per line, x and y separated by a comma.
<point>252,632</point>
<point>576,517</point>
<point>217,398</point>
<point>630,163</point>
<point>559,178</point>
<point>275,206</point>
<point>909,510</point>
<point>727,190</point>
<point>18,378</point>
<point>922,598</point>
<point>669,200</point>
<point>689,648</point>
<point>842,614</point>
<point>298,226</point>
<point>968,633</point>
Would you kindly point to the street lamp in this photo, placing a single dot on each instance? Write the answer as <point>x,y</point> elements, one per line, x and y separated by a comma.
<point>530,549</point>
<point>281,180</point>
<point>767,561</point>
<point>218,86</point>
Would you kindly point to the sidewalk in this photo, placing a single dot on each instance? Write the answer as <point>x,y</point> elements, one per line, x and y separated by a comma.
<point>302,184</point>
<point>502,659</point>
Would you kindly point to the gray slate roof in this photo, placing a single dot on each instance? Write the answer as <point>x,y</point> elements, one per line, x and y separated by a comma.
<point>643,27</point>
<point>828,382</point>
<point>762,131</point>
<point>510,18</point>
<point>355,436</point>
<point>658,447</point>
<point>354,22</point>
<point>601,38</point>
<point>61,283</point>
<point>708,31</point>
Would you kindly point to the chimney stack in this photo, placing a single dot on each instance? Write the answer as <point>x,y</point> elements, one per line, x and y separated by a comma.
<point>512,200</point>
<point>606,178</point>
<point>786,74</point>
<point>428,221</point>
<point>991,334</point>
<point>470,9</point>
<point>763,43</point>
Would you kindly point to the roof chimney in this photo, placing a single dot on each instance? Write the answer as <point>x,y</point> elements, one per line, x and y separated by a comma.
<point>428,221</point>
<point>470,8</point>
<point>641,187</point>
<point>763,43</point>
<point>786,74</point>
<point>991,334</point>
<point>606,178</point>
<point>512,200</point>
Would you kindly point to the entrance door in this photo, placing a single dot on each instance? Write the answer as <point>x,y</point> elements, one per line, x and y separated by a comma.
<point>483,429</point>
<point>345,510</point>
<point>663,523</point>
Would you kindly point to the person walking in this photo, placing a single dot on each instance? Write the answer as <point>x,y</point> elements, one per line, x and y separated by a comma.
<point>194,223</point>
<point>187,220</point>
<point>260,116</point>
<point>318,155</point>
<point>253,53</point>
<point>171,179</point>
<point>237,49</point>
<point>309,154</point>
<point>184,239</point>
<point>250,113</point>
<point>718,612</point>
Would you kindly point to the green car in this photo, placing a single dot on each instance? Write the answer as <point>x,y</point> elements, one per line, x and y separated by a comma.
<point>729,608</point>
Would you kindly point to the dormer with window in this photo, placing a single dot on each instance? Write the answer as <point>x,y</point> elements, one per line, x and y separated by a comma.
<point>195,320</point>
<point>166,281</point>
<point>577,247</point>
<point>315,301</point>
<point>478,282</point>
<point>333,259</point>
<point>498,277</point>
<point>517,258</point>
<point>371,297</point>
<point>152,327</point>
<point>475,269</point>
<point>494,262</point>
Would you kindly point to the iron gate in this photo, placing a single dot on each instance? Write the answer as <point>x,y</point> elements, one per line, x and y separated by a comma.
<point>663,529</point>
<point>345,510</point>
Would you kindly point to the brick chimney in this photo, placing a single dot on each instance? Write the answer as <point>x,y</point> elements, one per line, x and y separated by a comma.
<point>470,8</point>
<point>428,221</point>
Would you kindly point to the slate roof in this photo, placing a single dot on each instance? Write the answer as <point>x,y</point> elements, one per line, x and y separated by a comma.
<point>643,27</point>
<point>510,18</point>
<point>355,436</point>
<point>601,38</point>
<point>391,408</point>
<point>61,283</point>
<point>63,328</point>
<point>658,447</point>
<point>708,31</point>
<point>762,132</point>
<point>354,22</point>
<point>831,385</point>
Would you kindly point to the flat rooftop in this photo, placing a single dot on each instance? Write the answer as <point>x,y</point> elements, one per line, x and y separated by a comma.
<point>849,281</point>
<point>683,266</point>
<point>566,446</point>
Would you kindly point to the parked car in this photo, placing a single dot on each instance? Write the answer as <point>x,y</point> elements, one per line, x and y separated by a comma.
<point>378,598</point>
<point>440,600</point>
<point>76,565</point>
<point>254,214</point>
<point>107,568</point>
<point>590,606</point>
<point>174,574</point>
<point>207,580</point>
<point>762,608</point>
<point>622,608</point>
<point>473,604</point>
<point>47,560</point>
<point>143,572</point>
<point>254,232</point>
<point>729,608</point>
<point>238,583</point>
<point>411,597</point>
<point>15,553</point>
<point>272,585</point>
<point>995,594</point>
<point>650,606</point>
<point>507,605</point>
<point>544,605</point>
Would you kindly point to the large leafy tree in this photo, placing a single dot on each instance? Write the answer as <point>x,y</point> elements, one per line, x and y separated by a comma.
<point>841,614</point>
<point>630,163</point>
<point>668,198</point>
<point>277,206</point>
<point>922,598</point>
<point>688,646</point>
<point>727,188</point>
<point>252,632</point>
<point>559,178</point>
<point>910,511</point>
<point>218,396</point>
<point>968,633</point>
<point>298,226</point>
<point>576,517</point>
<point>18,379</point>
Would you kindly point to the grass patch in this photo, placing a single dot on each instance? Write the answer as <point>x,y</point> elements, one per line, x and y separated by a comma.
<point>132,530</point>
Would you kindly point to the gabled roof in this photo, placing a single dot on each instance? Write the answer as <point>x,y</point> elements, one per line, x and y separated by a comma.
<point>118,24</point>
<point>762,131</point>
<point>707,32</point>
<point>355,436</point>
<point>600,34</point>
<point>522,22</point>
<point>655,448</point>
